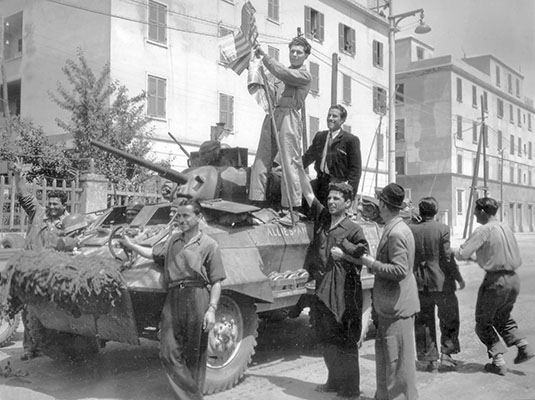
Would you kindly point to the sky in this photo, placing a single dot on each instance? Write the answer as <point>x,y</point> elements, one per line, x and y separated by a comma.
<point>503,28</point>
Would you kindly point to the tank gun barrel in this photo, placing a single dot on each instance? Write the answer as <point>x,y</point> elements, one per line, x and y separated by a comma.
<point>166,173</point>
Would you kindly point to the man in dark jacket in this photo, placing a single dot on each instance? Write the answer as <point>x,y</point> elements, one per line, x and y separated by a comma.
<point>436,274</point>
<point>335,154</point>
<point>338,306</point>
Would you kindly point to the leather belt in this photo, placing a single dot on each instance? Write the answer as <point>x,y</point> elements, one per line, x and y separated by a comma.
<point>186,284</point>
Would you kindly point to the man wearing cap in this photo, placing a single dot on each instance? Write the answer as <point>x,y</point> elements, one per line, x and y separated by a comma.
<point>437,275</point>
<point>498,254</point>
<point>193,271</point>
<point>338,304</point>
<point>395,301</point>
<point>296,80</point>
<point>335,154</point>
<point>132,210</point>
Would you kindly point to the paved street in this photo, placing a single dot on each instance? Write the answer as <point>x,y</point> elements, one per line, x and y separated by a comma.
<point>287,364</point>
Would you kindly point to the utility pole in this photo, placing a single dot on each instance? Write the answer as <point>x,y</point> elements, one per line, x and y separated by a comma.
<point>334,79</point>
<point>5,102</point>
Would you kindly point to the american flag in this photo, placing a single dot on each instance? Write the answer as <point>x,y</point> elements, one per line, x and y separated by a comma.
<point>236,48</point>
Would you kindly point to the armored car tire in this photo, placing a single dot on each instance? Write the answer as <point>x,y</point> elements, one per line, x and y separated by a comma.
<point>12,241</point>
<point>8,327</point>
<point>62,346</point>
<point>231,343</point>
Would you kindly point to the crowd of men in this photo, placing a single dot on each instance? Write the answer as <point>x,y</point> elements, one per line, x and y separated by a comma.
<point>414,267</point>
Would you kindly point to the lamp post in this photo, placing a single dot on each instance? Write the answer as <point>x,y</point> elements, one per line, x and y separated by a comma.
<point>393,21</point>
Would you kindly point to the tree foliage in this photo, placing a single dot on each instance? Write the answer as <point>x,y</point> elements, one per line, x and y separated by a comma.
<point>24,140</point>
<point>101,109</point>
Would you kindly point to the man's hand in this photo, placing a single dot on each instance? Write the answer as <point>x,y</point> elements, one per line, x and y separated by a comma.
<point>258,51</point>
<point>125,241</point>
<point>368,261</point>
<point>16,167</point>
<point>209,319</point>
<point>337,253</point>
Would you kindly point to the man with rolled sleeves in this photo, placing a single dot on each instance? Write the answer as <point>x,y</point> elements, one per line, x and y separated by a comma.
<point>193,269</point>
<point>395,301</point>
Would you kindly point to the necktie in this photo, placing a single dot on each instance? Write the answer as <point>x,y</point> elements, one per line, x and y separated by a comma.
<point>323,165</point>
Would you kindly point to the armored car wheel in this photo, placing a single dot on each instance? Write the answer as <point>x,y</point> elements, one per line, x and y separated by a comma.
<point>12,241</point>
<point>8,327</point>
<point>61,346</point>
<point>231,343</point>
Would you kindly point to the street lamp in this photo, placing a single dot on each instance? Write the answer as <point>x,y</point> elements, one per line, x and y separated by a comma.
<point>422,28</point>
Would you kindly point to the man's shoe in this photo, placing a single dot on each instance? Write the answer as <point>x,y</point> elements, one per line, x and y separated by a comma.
<point>496,369</point>
<point>325,389</point>
<point>286,220</point>
<point>432,367</point>
<point>447,362</point>
<point>525,353</point>
<point>29,355</point>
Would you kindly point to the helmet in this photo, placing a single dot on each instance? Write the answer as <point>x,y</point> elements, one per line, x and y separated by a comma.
<point>72,223</point>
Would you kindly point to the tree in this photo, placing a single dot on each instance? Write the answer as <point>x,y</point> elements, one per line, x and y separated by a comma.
<point>101,109</point>
<point>28,142</point>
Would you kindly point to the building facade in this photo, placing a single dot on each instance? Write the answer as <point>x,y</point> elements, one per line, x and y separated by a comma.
<point>444,107</point>
<point>169,49</point>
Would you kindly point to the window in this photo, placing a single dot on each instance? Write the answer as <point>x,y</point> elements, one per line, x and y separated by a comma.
<point>517,87</point>
<point>377,54</point>
<point>512,144</point>
<point>379,100</point>
<point>226,110</point>
<point>400,93</point>
<point>498,77</point>
<point>530,181</point>
<point>346,89</point>
<point>474,131</point>
<point>485,102</point>
<point>520,146</point>
<point>346,39</point>
<point>529,122</point>
<point>400,129</point>
<point>156,97</point>
<point>314,126</point>
<point>530,150</point>
<point>485,130</point>
<point>419,53</point>
<point>519,117</point>
<point>222,33</point>
<point>512,174</point>
<point>519,177</point>
<point>459,163</point>
<point>400,165</point>
<point>511,114</point>
<point>500,140</point>
<point>273,10</point>
<point>509,83</point>
<point>459,90</point>
<point>459,127</point>
<point>499,111</point>
<point>380,146</point>
<point>474,96</point>
<point>12,36</point>
<point>314,24</point>
<point>460,195</point>
<point>273,52</point>
<point>157,22</point>
<point>315,72</point>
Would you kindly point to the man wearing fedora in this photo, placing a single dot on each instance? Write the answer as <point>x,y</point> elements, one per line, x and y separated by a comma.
<point>395,301</point>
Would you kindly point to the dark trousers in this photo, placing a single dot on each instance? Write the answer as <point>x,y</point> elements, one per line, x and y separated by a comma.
<point>187,368</point>
<point>495,300</point>
<point>447,307</point>
<point>340,351</point>
<point>394,359</point>
<point>28,344</point>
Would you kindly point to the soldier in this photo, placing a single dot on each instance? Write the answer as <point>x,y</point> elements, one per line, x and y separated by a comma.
<point>193,270</point>
<point>44,228</point>
<point>296,81</point>
<point>497,253</point>
<point>437,275</point>
<point>132,210</point>
<point>338,306</point>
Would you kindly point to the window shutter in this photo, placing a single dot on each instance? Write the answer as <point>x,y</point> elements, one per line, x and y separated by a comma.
<point>308,22</point>
<point>353,42</point>
<point>341,37</point>
<point>321,29</point>
<point>230,120</point>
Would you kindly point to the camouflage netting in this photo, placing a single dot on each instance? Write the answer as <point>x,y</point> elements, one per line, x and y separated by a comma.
<point>78,284</point>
